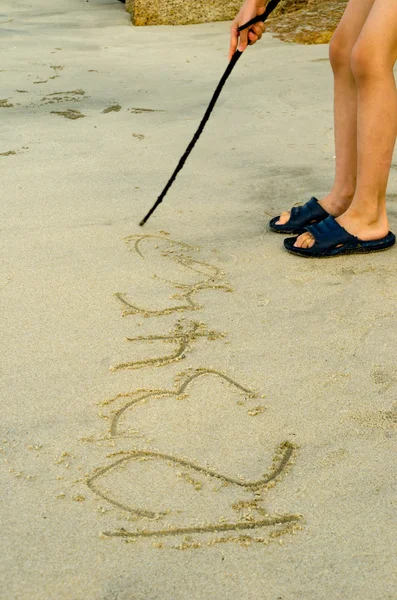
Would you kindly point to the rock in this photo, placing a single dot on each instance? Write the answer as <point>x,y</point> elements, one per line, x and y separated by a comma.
<point>291,5</point>
<point>313,22</point>
<point>301,21</point>
<point>181,12</point>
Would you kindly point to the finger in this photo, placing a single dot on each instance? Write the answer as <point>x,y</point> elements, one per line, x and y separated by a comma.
<point>243,40</point>
<point>252,38</point>
<point>257,29</point>
<point>233,41</point>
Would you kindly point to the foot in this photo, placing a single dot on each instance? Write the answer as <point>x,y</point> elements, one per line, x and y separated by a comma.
<point>363,226</point>
<point>334,204</point>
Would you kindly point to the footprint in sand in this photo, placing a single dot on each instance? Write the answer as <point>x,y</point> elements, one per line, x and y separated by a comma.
<point>56,69</point>
<point>57,97</point>
<point>384,379</point>
<point>5,104</point>
<point>140,111</point>
<point>13,152</point>
<point>69,114</point>
<point>381,419</point>
<point>112,108</point>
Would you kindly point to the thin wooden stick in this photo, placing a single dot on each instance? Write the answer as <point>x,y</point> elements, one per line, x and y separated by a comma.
<point>260,18</point>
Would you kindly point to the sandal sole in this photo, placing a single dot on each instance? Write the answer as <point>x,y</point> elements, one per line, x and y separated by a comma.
<point>340,252</point>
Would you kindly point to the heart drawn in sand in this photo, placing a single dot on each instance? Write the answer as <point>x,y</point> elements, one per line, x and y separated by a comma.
<point>185,495</point>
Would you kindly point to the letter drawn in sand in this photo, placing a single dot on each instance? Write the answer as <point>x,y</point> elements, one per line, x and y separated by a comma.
<point>183,382</point>
<point>182,336</point>
<point>162,470</point>
<point>206,276</point>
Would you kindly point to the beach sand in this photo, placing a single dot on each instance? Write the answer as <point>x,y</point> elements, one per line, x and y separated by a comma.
<point>233,435</point>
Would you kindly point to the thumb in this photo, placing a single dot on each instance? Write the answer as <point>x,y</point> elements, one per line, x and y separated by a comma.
<point>243,40</point>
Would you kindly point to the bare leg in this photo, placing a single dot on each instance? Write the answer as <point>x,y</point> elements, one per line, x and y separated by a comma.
<point>373,59</point>
<point>345,108</point>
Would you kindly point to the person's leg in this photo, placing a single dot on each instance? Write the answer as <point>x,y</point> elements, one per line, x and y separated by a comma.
<point>373,59</point>
<point>345,108</point>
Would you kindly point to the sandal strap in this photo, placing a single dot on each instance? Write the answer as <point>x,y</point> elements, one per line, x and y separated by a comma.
<point>329,233</point>
<point>311,211</point>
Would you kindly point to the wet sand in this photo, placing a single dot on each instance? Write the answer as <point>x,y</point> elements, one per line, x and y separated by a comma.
<point>188,411</point>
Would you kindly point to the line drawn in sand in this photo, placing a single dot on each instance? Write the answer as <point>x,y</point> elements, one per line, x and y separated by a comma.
<point>182,383</point>
<point>246,521</point>
<point>181,335</point>
<point>211,277</point>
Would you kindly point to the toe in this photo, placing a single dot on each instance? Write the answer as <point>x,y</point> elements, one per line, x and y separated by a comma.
<point>308,241</point>
<point>284,218</point>
<point>305,240</point>
<point>299,240</point>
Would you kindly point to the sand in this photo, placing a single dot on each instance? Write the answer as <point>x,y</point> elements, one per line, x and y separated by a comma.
<point>233,435</point>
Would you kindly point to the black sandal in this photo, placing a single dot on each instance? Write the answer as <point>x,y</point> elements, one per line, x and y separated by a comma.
<point>331,239</point>
<point>301,216</point>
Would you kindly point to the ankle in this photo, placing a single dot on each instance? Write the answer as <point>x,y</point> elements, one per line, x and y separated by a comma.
<point>368,213</point>
<point>336,203</point>
<point>344,193</point>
